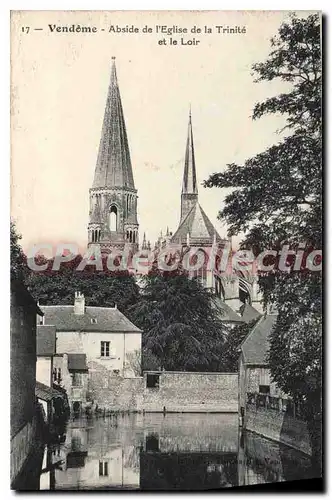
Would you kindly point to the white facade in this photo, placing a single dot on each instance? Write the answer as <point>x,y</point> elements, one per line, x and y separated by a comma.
<point>44,370</point>
<point>124,349</point>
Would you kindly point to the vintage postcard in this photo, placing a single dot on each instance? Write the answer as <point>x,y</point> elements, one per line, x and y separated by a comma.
<point>166,250</point>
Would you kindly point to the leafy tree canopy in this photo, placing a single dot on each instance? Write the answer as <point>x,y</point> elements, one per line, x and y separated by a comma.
<point>100,288</point>
<point>181,327</point>
<point>277,198</point>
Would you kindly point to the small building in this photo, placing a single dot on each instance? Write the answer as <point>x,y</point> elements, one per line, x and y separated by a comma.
<point>53,400</point>
<point>24,421</point>
<point>46,336</point>
<point>254,373</point>
<point>263,407</point>
<point>93,345</point>
<point>71,371</point>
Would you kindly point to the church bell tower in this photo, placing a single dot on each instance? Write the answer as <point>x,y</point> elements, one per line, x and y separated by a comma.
<point>113,197</point>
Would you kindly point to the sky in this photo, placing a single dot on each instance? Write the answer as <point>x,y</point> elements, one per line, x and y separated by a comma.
<point>59,85</point>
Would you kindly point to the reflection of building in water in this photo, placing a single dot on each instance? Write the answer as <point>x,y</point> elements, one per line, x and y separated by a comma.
<point>193,455</point>
<point>261,460</point>
<point>98,457</point>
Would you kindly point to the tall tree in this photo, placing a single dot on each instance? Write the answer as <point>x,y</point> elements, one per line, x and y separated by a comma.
<point>277,199</point>
<point>182,330</point>
<point>18,265</point>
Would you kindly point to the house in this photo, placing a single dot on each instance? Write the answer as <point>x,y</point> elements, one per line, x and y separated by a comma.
<point>254,373</point>
<point>24,422</point>
<point>263,407</point>
<point>53,400</point>
<point>93,344</point>
<point>46,335</point>
<point>71,370</point>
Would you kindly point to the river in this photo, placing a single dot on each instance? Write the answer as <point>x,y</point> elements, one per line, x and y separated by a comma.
<point>171,452</point>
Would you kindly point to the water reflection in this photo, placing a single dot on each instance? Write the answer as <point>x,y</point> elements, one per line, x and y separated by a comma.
<point>175,451</point>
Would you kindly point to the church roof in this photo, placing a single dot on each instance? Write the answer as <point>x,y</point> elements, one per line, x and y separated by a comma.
<point>113,166</point>
<point>227,315</point>
<point>94,319</point>
<point>256,345</point>
<point>199,227</point>
<point>189,184</point>
<point>249,313</point>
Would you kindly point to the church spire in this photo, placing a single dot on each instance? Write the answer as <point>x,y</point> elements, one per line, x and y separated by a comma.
<point>189,195</point>
<point>113,197</point>
<point>113,168</point>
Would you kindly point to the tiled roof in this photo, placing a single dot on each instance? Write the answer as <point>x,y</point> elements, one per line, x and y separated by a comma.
<point>226,312</point>
<point>77,362</point>
<point>95,319</point>
<point>256,345</point>
<point>199,227</point>
<point>249,313</point>
<point>47,393</point>
<point>46,340</point>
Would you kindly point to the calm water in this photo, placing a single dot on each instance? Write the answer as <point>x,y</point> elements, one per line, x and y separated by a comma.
<point>175,451</point>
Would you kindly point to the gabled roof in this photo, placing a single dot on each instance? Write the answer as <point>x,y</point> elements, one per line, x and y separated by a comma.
<point>77,362</point>
<point>227,315</point>
<point>113,166</point>
<point>95,319</point>
<point>249,313</point>
<point>47,393</point>
<point>46,335</point>
<point>256,345</point>
<point>198,226</point>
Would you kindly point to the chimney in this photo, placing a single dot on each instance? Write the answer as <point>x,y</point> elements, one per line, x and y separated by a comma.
<point>79,304</point>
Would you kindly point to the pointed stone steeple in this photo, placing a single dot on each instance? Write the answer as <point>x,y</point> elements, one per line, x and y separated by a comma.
<point>113,197</point>
<point>144,245</point>
<point>189,194</point>
<point>113,166</point>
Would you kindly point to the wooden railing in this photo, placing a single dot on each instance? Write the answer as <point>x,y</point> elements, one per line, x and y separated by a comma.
<point>286,405</point>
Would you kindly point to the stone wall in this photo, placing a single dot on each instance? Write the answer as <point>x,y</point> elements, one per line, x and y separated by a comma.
<point>279,426</point>
<point>177,391</point>
<point>192,392</point>
<point>114,392</point>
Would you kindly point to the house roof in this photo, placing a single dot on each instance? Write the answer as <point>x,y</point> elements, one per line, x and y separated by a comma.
<point>198,226</point>
<point>249,313</point>
<point>94,319</point>
<point>255,346</point>
<point>77,362</point>
<point>47,393</point>
<point>46,340</point>
<point>226,312</point>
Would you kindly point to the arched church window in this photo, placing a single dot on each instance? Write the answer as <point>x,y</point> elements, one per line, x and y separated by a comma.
<point>113,218</point>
